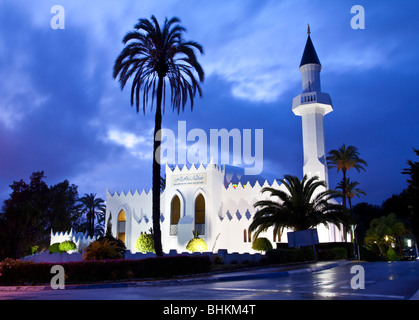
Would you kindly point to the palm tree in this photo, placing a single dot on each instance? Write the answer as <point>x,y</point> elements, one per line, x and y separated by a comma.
<point>93,208</point>
<point>385,230</point>
<point>344,159</point>
<point>351,190</point>
<point>156,58</point>
<point>297,208</point>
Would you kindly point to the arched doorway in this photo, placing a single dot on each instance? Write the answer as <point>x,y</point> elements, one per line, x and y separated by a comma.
<point>200,214</point>
<point>120,226</point>
<point>174,215</point>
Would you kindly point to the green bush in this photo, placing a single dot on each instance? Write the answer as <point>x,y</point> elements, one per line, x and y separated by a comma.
<point>261,244</point>
<point>145,243</point>
<point>55,248</point>
<point>196,245</point>
<point>67,246</point>
<point>391,255</point>
<point>34,249</point>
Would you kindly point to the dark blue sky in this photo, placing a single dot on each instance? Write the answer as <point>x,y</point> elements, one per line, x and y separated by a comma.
<point>61,111</point>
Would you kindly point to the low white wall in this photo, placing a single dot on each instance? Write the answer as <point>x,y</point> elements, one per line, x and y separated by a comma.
<point>54,257</point>
<point>227,258</point>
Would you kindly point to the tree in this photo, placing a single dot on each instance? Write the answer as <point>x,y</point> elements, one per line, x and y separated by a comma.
<point>386,230</point>
<point>156,58</point>
<point>351,190</point>
<point>413,193</point>
<point>22,220</point>
<point>93,208</point>
<point>62,213</point>
<point>298,208</point>
<point>344,159</point>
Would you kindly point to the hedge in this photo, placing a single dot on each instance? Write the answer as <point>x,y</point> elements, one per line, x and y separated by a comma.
<point>287,255</point>
<point>325,251</point>
<point>92,271</point>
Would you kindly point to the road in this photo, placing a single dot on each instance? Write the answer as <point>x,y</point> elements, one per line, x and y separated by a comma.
<point>382,281</point>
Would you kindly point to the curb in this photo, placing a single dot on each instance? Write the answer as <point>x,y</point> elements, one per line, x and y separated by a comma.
<point>208,279</point>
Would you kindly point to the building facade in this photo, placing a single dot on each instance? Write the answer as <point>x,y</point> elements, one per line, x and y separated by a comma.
<point>215,200</point>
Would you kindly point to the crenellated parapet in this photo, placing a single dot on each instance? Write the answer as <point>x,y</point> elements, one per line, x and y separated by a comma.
<point>81,240</point>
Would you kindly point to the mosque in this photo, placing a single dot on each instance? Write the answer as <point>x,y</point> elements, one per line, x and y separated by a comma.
<point>216,200</point>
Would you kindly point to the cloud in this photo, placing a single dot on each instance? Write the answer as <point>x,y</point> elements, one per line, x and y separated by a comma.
<point>138,146</point>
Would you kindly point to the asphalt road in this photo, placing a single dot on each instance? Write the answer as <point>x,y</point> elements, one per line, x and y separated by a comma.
<point>375,281</point>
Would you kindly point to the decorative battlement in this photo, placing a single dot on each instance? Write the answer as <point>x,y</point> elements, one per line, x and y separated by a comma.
<point>80,239</point>
<point>193,168</point>
<point>128,194</point>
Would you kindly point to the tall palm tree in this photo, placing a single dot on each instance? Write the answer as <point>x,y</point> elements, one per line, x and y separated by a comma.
<point>93,208</point>
<point>351,190</point>
<point>155,58</point>
<point>297,208</point>
<point>344,159</point>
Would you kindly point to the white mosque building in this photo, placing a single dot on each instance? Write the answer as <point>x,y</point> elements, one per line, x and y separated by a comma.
<point>218,201</point>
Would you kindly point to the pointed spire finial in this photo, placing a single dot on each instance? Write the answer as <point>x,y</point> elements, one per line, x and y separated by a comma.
<point>308,29</point>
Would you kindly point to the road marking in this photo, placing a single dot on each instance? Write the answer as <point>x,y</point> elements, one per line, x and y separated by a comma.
<point>326,294</point>
<point>415,296</point>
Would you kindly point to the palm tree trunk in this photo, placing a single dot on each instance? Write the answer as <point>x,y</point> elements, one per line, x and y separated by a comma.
<point>156,172</point>
<point>344,200</point>
<point>344,188</point>
<point>93,222</point>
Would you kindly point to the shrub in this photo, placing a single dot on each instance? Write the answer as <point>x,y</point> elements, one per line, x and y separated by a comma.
<point>261,244</point>
<point>196,245</point>
<point>217,260</point>
<point>336,253</point>
<point>101,250</point>
<point>67,246</point>
<point>55,248</point>
<point>34,249</point>
<point>88,271</point>
<point>391,255</point>
<point>287,255</point>
<point>9,270</point>
<point>145,243</point>
<point>119,244</point>
<point>348,246</point>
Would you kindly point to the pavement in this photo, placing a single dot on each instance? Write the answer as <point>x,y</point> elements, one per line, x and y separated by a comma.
<point>220,276</point>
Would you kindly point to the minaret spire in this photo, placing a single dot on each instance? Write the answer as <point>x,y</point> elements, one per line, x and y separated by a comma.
<point>312,105</point>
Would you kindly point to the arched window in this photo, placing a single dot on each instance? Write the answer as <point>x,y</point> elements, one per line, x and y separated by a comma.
<point>245,235</point>
<point>200,214</point>
<point>122,218</point>
<point>174,215</point>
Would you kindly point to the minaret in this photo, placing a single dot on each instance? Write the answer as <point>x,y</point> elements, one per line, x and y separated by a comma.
<point>312,105</point>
